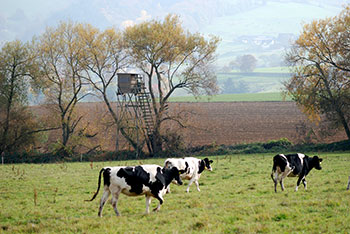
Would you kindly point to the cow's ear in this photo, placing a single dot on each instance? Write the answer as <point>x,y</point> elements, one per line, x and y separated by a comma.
<point>211,161</point>
<point>320,159</point>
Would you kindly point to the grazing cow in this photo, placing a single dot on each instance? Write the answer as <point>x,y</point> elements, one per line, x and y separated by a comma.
<point>293,165</point>
<point>151,180</point>
<point>190,168</point>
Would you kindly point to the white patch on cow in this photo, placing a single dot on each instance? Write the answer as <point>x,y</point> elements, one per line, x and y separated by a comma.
<point>301,157</point>
<point>287,171</point>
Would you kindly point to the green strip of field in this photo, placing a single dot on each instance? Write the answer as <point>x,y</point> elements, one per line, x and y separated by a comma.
<point>243,97</point>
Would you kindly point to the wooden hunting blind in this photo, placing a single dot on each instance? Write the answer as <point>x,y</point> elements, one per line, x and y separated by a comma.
<point>128,83</point>
<point>134,101</point>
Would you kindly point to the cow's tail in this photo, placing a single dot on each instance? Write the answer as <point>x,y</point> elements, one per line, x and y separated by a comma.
<point>98,186</point>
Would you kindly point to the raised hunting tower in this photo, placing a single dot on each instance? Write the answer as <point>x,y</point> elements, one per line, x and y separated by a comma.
<point>134,106</point>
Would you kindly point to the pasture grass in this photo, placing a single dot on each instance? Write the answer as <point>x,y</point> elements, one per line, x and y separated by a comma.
<point>236,197</point>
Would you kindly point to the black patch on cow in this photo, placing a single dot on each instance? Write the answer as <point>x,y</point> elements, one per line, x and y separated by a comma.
<point>280,161</point>
<point>107,176</point>
<point>135,177</point>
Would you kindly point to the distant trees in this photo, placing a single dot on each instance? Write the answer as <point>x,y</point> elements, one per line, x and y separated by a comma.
<point>172,59</point>
<point>320,63</point>
<point>230,86</point>
<point>246,63</point>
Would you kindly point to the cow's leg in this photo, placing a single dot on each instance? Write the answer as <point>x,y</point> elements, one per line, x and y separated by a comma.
<point>168,189</point>
<point>298,182</point>
<point>161,200</point>
<point>281,183</point>
<point>189,184</point>
<point>274,179</point>
<point>115,197</point>
<point>348,184</point>
<point>197,184</point>
<point>104,198</point>
<point>304,183</point>
<point>148,202</point>
<point>157,208</point>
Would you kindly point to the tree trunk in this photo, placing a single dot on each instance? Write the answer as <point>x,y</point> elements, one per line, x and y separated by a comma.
<point>344,123</point>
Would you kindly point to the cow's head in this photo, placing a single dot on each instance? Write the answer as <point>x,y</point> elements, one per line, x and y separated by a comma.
<point>317,162</point>
<point>207,163</point>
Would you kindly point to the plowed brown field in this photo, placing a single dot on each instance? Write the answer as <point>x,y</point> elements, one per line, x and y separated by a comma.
<point>218,123</point>
<point>245,122</point>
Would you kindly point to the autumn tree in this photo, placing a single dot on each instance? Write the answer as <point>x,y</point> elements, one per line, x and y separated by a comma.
<point>60,55</point>
<point>172,58</point>
<point>320,62</point>
<point>103,57</point>
<point>17,74</point>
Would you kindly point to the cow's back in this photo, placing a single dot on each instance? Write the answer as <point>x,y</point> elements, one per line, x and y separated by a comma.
<point>193,164</point>
<point>179,163</point>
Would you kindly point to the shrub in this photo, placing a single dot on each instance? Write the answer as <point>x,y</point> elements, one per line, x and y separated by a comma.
<point>283,143</point>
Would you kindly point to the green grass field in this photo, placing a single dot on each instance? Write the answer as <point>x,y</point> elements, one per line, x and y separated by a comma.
<point>243,97</point>
<point>236,197</point>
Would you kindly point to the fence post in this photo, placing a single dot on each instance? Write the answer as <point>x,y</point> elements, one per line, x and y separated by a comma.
<point>2,158</point>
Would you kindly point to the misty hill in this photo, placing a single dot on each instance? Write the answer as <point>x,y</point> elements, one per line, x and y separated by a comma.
<point>260,27</point>
<point>263,28</point>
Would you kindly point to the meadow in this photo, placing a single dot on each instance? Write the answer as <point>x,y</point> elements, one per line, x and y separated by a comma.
<point>236,197</point>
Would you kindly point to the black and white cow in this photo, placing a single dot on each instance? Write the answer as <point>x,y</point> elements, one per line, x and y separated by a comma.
<point>149,180</point>
<point>190,168</point>
<point>292,165</point>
